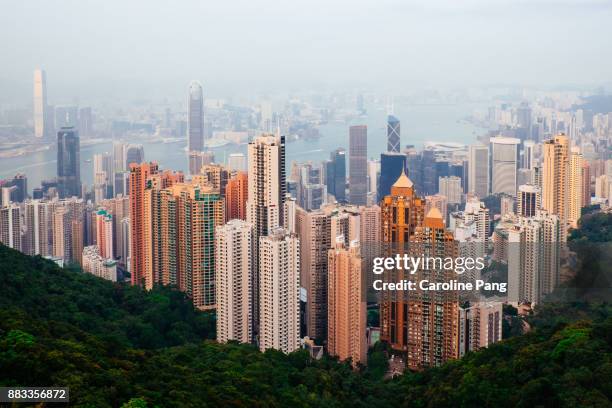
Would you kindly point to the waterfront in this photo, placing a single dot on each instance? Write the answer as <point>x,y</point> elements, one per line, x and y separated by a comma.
<point>419,123</point>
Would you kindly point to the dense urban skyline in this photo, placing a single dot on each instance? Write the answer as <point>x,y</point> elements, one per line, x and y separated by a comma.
<point>343,196</point>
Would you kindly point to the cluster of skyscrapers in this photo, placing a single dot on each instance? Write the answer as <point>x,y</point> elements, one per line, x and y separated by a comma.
<point>285,259</point>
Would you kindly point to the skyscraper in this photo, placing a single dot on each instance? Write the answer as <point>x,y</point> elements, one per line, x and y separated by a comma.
<point>266,195</point>
<point>575,187</point>
<point>336,175</point>
<point>430,330</point>
<point>555,177</point>
<point>233,280</point>
<point>279,294</point>
<point>358,162</point>
<point>392,164</point>
<point>42,126</point>
<point>504,165</point>
<point>478,170</point>
<point>314,231</point>
<point>401,213</point>
<point>139,174</point>
<point>68,163</point>
<point>346,304</point>
<point>393,134</point>
<point>189,215</point>
<point>196,120</point>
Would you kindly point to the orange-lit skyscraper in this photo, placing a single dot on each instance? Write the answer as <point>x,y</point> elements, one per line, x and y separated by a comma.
<point>139,174</point>
<point>555,178</point>
<point>432,328</point>
<point>346,336</point>
<point>401,213</point>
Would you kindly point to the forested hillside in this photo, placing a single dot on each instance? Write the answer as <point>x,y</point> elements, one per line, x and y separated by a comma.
<point>115,345</point>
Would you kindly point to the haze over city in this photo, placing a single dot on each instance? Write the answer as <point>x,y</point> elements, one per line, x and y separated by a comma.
<point>141,49</point>
<point>306,203</point>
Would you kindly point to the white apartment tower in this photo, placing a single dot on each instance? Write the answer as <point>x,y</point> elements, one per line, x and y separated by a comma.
<point>233,281</point>
<point>279,297</point>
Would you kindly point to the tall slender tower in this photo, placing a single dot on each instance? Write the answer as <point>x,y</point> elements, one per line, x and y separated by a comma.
<point>279,297</point>
<point>346,305</point>
<point>68,163</point>
<point>393,134</point>
<point>234,277</point>
<point>196,120</point>
<point>41,123</point>
<point>358,164</point>
<point>555,178</point>
<point>266,195</point>
<point>575,185</point>
<point>313,229</point>
<point>139,174</point>
<point>401,213</point>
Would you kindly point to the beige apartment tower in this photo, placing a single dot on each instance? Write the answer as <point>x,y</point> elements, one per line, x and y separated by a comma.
<point>346,336</point>
<point>555,178</point>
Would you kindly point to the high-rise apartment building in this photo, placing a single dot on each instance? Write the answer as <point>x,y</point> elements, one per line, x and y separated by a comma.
<point>105,234</point>
<point>189,215</point>
<point>529,200</point>
<point>555,177</point>
<point>139,219</point>
<point>586,184</point>
<point>428,324</point>
<point>358,162</point>
<point>267,190</point>
<point>233,281</point>
<point>68,163</point>
<point>346,336</point>
<point>10,226</point>
<point>314,231</point>
<point>575,187</point>
<point>279,326</point>
<point>533,257</point>
<point>236,196</point>
<point>37,224</point>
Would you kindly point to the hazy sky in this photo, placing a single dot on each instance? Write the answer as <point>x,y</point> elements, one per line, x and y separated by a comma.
<point>123,48</point>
